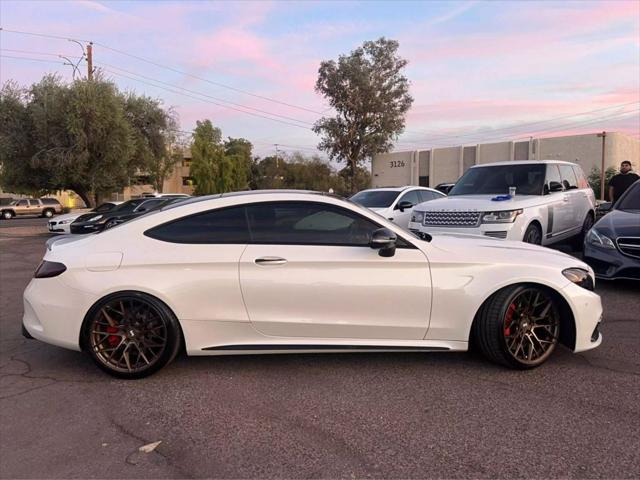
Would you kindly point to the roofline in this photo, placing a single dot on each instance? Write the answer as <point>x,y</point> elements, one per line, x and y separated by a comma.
<point>524,162</point>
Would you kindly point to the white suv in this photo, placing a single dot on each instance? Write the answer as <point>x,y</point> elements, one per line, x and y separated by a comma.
<point>552,202</point>
<point>395,203</point>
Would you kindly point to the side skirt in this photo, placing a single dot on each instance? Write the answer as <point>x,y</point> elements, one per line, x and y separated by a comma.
<point>334,348</point>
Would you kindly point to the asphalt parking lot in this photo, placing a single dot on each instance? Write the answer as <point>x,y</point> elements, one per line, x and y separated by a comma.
<point>315,416</point>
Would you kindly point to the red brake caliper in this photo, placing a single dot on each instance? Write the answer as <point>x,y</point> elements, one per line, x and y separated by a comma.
<point>113,339</point>
<point>508,318</point>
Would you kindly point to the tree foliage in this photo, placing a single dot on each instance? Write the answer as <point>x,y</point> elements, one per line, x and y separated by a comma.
<point>85,136</point>
<point>370,95</point>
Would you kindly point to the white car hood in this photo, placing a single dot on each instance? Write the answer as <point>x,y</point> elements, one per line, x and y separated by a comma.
<point>480,203</point>
<point>481,249</point>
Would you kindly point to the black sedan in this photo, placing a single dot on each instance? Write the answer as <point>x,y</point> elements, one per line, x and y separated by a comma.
<point>94,222</point>
<point>612,246</point>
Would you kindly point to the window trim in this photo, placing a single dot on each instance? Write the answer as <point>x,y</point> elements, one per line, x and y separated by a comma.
<point>403,242</point>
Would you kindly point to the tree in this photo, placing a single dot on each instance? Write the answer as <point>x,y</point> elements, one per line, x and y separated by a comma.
<point>370,96</point>
<point>594,180</point>
<point>155,137</point>
<point>206,154</point>
<point>238,151</point>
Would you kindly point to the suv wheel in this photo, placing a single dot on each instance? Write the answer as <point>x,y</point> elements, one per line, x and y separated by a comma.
<point>48,213</point>
<point>7,215</point>
<point>533,234</point>
<point>578,240</point>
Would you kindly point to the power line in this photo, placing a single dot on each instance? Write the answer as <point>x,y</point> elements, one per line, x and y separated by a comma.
<point>206,95</point>
<point>37,53</point>
<point>32,59</point>
<point>205,100</point>
<point>166,67</point>
<point>520,125</point>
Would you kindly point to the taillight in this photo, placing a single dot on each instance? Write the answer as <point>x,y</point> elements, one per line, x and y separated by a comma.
<point>49,269</point>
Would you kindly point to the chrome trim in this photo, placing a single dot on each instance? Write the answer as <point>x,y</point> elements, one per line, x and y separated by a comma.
<point>464,219</point>
<point>623,247</point>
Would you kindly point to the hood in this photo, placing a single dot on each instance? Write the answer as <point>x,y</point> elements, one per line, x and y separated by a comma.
<point>480,203</point>
<point>70,216</point>
<point>481,249</point>
<point>620,223</point>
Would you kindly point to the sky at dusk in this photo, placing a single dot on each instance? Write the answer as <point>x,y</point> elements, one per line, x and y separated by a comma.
<point>479,71</point>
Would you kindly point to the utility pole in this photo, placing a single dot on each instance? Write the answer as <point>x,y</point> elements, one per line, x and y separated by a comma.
<point>90,61</point>
<point>604,136</point>
<point>276,145</point>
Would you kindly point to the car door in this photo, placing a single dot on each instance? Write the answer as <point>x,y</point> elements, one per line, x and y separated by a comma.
<point>309,272</point>
<point>575,196</point>
<point>559,209</point>
<point>401,218</point>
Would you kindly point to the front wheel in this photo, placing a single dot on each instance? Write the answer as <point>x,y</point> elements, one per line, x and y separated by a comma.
<point>533,234</point>
<point>47,213</point>
<point>7,215</point>
<point>131,335</point>
<point>518,327</point>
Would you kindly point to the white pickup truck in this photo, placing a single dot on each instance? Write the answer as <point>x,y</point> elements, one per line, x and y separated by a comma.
<point>552,201</point>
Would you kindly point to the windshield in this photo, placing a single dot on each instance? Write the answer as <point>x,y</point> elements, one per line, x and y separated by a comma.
<point>528,180</point>
<point>129,206</point>
<point>105,207</point>
<point>375,198</point>
<point>631,199</point>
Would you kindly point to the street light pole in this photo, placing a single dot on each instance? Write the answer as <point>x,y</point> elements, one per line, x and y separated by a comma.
<point>604,136</point>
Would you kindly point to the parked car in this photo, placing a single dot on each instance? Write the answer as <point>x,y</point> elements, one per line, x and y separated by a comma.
<point>96,222</point>
<point>164,195</point>
<point>445,187</point>
<point>552,201</point>
<point>612,246</point>
<point>282,272</point>
<point>395,204</point>
<point>43,207</point>
<point>62,224</point>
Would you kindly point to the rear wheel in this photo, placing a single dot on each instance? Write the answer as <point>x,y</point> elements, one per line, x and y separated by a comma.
<point>48,213</point>
<point>578,240</point>
<point>518,327</point>
<point>131,335</point>
<point>533,234</point>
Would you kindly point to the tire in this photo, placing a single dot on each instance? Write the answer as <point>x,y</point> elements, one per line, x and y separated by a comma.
<point>48,213</point>
<point>578,241</point>
<point>7,214</point>
<point>110,224</point>
<point>533,234</point>
<point>131,335</point>
<point>506,333</point>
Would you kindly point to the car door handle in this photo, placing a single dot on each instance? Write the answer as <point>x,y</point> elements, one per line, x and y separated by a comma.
<point>270,261</point>
<point>565,198</point>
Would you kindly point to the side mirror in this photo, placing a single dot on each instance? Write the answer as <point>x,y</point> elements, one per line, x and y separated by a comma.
<point>404,205</point>
<point>555,186</point>
<point>384,240</point>
<point>605,207</point>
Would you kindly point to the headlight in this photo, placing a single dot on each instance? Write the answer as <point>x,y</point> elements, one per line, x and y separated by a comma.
<point>505,216</point>
<point>93,219</point>
<point>580,277</point>
<point>594,237</point>
<point>64,222</point>
<point>417,217</point>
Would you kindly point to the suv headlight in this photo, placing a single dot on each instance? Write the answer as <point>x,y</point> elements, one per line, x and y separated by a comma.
<point>417,217</point>
<point>594,237</point>
<point>505,216</point>
<point>580,277</point>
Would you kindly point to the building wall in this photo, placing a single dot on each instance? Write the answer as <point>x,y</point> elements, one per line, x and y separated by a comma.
<point>447,164</point>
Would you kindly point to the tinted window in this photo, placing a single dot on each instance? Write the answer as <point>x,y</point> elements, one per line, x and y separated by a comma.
<point>427,195</point>
<point>148,205</point>
<point>375,198</point>
<point>49,201</point>
<point>227,225</point>
<point>553,175</point>
<point>527,178</point>
<point>569,180</point>
<point>582,180</point>
<point>22,203</point>
<point>129,206</point>
<point>307,223</point>
<point>631,199</point>
<point>409,197</point>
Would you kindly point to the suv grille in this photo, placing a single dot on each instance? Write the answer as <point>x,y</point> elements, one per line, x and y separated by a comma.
<point>451,219</point>
<point>629,246</point>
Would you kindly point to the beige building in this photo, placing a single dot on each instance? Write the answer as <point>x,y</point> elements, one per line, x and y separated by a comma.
<point>445,165</point>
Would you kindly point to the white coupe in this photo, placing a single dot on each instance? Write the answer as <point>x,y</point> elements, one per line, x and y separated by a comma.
<point>286,271</point>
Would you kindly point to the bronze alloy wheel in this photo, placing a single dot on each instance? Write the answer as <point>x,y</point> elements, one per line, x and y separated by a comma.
<point>129,335</point>
<point>531,326</point>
